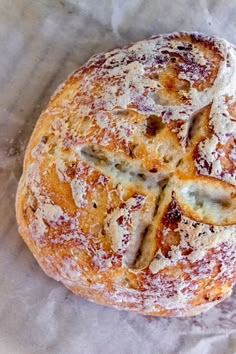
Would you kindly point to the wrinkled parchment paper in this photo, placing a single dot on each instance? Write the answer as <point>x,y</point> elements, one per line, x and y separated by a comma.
<point>41,42</point>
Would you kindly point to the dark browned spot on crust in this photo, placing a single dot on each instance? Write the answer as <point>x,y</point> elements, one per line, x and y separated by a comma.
<point>186,251</point>
<point>44,139</point>
<point>71,171</point>
<point>153,125</point>
<point>209,297</point>
<point>33,209</point>
<point>154,76</point>
<point>173,214</point>
<point>153,170</point>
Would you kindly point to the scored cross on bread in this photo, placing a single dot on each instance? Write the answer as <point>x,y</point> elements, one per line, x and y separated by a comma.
<point>128,191</point>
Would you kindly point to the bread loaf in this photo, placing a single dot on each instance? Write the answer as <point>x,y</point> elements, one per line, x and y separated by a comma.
<point>128,189</point>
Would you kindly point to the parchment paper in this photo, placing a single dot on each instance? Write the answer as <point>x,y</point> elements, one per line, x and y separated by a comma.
<point>41,42</point>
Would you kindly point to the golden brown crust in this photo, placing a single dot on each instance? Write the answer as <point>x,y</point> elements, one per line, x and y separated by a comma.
<point>128,191</point>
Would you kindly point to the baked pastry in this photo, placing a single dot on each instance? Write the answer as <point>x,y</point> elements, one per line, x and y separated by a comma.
<point>128,190</point>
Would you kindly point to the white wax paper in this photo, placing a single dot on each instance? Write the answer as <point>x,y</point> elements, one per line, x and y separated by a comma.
<point>41,42</point>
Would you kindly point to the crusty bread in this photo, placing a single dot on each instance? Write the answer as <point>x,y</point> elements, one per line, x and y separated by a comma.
<point>128,191</point>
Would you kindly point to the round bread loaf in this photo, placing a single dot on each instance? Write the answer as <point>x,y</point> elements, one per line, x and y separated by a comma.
<point>128,191</point>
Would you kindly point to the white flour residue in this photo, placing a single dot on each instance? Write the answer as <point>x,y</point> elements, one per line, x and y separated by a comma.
<point>79,190</point>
